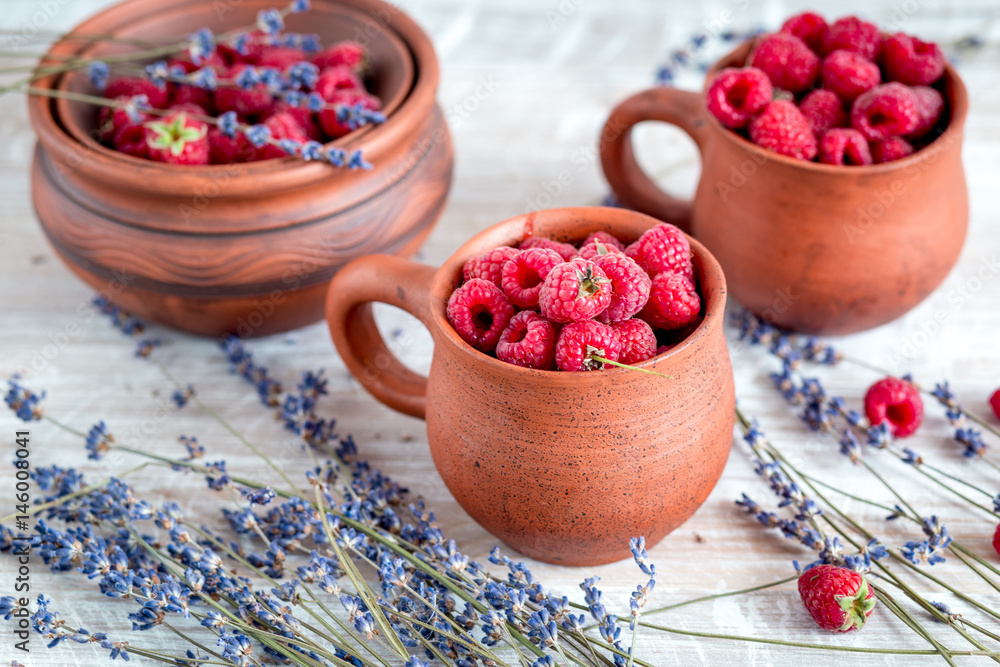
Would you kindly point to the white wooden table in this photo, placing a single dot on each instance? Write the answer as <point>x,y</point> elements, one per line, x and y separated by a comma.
<point>554,70</point>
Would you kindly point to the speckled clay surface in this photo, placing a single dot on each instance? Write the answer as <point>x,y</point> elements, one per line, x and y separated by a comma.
<point>812,247</point>
<point>564,467</point>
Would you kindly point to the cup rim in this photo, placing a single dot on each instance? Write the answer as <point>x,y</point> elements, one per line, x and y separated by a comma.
<point>711,281</point>
<point>162,179</point>
<point>958,103</point>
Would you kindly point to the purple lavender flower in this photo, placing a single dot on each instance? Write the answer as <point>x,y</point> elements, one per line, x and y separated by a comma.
<point>25,403</point>
<point>99,441</point>
<point>98,72</point>
<point>258,135</point>
<point>201,45</point>
<point>270,21</point>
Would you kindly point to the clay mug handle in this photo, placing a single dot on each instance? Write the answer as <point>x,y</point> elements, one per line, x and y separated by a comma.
<point>386,279</point>
<point>633,187</point>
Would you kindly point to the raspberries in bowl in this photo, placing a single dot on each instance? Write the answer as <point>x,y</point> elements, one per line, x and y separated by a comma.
<point>841,93</point>
<point>552,305</point>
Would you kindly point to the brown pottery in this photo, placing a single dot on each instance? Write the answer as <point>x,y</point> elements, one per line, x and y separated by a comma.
<point>245,248</point>
<point>811,247</point>
<point>564,467</point>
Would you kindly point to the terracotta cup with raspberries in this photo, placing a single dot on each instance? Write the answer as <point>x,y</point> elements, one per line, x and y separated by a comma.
<point>562,466</point>
<point>832,189</point>
<point>238,246</point>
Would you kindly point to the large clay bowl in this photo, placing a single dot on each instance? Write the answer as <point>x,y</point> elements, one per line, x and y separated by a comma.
<point>564,467</point>
<point>247,248</point>
<point>811,247</point>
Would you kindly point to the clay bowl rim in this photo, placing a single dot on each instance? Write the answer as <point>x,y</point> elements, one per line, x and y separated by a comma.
<point>958,103</point>
<point>713,286</point>
<point>103,164</point>
<point>88,50</point>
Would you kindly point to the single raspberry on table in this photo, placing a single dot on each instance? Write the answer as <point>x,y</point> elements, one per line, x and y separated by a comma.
<point>849,74</point>
<point>844,146</point>
<point>629,287</point>
<point>809,27</point>
<point>930,106</point>
<point>837,598</point>
<point>607,239</point>
<point>337,78</point>
<point>232,97</point>
<point>782,128</point>
<point>853,34</point>
<point>786,60</point>
<point>579,342</point>
<point>911,61</point>
<point>489,265</point>
<point>662,248</point>
<point>896,401</point>
<point>282,126</point>
<point>596,248</point>
<point>529,341</point>
<point>637,339</point>
<point>995,403</point>
<point>574,291</point>
<point>521,276</point>
<point>565,250</point>
<point>823,110</point>
<point>893,148</point>
<point>330,119</point>
<point>177,139</point>
<point>349,54</point>
<point>129,86</point>
<point>673,302</point>
<point>479,312</point>
<point>736,94</point>
<point>885,111</point>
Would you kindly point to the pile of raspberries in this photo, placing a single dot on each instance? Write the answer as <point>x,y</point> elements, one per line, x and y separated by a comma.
<point>180,138</point>
<point>550,305</point>
<point>843,94</point>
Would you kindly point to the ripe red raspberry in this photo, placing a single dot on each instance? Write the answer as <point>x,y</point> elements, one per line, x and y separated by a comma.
<point>605,238</point>
<point>213,60</point>
<point>112,121</point>
<point>664,348</point>
<point>574,291</point>
<point>350,54</point>
<point>302,115</point>
<point>885,111</point>
<point>521,276</point>
<point>822,109</point>
<point>844,146</point>
<point>337,78</point>
<point>896,401</point>
<point>838,599</point>
<point>809,27</point>
<point>637,339</point>
<point>529,341</point>
<point>254,49</point>
<point>565,250</point>
<point>596,248</point>
<point>489,265</point>
<point>479,312</point>
<point>893,148</point>
<point>629,287</point>
<point>130,86</point>
<point>996,540</point>
<point>177,139</point>
<point>735,94</point>
<point>911,61</point>
<point>995,403</point>
<point>282,126</point>
<point>580,341</point>
<point>332,126</point>
<point>223,149</point>
<point>849,74</point>
<point>673,302</point>
<point>186,94</point>
<point>281,57</point>
<point>662,248</point>
<point>244,102</point>
<point>787,61</point>
<point>930,105</point>
<point>853,34</point>
<point>782,128</point>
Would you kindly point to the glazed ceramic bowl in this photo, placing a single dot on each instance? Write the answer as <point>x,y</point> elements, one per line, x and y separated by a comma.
<point>245,248</point>
<point>564,467</point>
<point>812,247</point>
